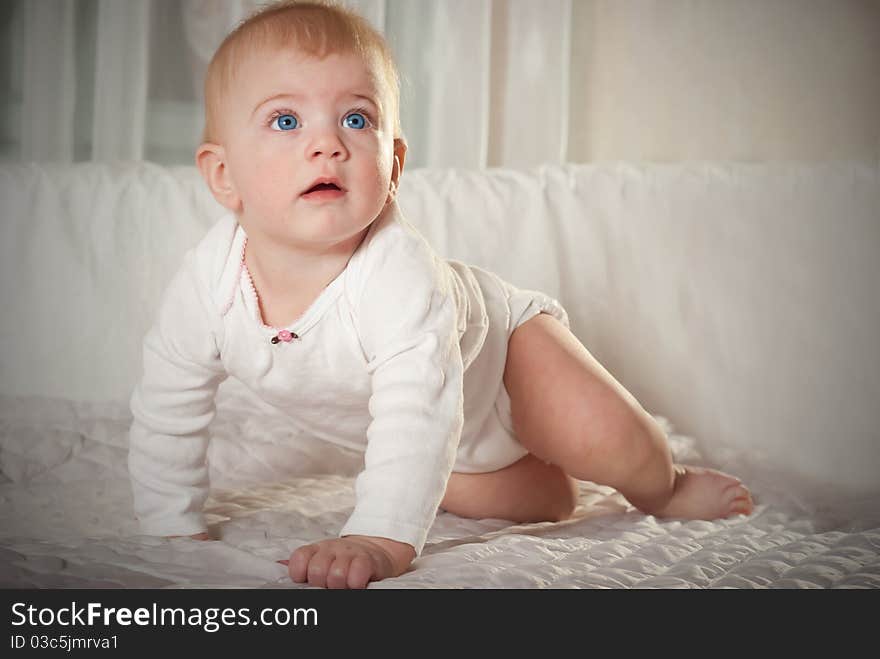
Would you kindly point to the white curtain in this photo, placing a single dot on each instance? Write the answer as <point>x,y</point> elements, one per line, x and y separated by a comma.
<point>484,82</point>
<point>48,90</point>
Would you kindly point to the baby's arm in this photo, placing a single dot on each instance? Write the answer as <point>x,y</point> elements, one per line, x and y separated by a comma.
<point>172,407</point>
<point>407,322</point>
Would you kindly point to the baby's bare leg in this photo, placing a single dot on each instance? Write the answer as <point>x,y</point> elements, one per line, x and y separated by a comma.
<point>569,411</point>
<point>529,490</point>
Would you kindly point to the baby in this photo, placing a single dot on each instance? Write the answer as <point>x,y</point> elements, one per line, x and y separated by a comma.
<point>463,392</point>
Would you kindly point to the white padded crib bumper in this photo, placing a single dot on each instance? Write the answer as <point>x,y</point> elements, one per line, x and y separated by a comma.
<point>737,301</point>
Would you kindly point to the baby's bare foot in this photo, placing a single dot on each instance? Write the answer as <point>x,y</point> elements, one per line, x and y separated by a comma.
<point>706,494</point>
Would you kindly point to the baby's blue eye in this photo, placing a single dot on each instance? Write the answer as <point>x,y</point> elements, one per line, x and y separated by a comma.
<point>285,122</point>
<point>356,120</point>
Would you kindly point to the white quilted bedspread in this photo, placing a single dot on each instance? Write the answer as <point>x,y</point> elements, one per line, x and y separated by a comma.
<point>66,520</point>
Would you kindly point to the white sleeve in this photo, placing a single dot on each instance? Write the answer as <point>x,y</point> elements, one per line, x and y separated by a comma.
<point>172,407</point>
<point>407,323</point>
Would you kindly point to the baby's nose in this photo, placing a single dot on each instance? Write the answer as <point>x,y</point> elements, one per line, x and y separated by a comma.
<point>327,144</point>
<point>331,153</point>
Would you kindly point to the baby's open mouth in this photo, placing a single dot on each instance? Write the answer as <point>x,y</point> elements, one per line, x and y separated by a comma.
<point>323,186</point>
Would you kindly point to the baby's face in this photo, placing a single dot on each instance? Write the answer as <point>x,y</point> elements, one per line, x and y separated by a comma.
<point>309,146</point>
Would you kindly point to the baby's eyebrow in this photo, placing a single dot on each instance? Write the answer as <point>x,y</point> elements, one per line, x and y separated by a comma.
<point>369,99</point>
<point>275,97</point>
<point>298,97</point>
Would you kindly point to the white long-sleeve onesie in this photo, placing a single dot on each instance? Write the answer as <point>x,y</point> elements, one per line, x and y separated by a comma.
<point>401,356</point>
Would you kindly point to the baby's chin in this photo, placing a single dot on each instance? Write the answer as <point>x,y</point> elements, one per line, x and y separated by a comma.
<point>321,240</point>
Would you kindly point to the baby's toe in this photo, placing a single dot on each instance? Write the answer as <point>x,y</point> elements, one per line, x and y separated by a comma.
<point>740,502</point>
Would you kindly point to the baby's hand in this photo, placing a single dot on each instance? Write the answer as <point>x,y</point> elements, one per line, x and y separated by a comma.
<point>349,562</point>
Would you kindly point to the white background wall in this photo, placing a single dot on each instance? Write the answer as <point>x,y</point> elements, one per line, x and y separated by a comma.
<point>726,80</point>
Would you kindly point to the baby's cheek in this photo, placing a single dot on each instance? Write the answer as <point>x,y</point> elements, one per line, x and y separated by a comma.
<point>268,182</point>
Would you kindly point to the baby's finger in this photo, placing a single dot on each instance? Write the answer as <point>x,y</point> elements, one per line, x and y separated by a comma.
<point>297,566</point>
<point>359,572</point>
<point>337,576</point>
<point>319,566</point>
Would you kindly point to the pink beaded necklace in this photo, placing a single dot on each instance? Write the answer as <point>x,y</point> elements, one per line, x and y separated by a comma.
<point>283,336</point>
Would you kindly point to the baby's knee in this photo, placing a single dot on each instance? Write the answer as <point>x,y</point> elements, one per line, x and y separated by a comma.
<point>550,495</point>
<point>562,499</point>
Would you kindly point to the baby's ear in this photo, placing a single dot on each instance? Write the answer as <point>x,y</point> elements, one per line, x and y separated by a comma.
<point>211,161</point>
<point>397,166</point>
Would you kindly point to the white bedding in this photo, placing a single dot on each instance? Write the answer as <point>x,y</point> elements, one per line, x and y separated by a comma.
<point>66,521</point>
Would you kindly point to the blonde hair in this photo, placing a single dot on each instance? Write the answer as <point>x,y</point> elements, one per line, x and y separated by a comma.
<point>316,28</point>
